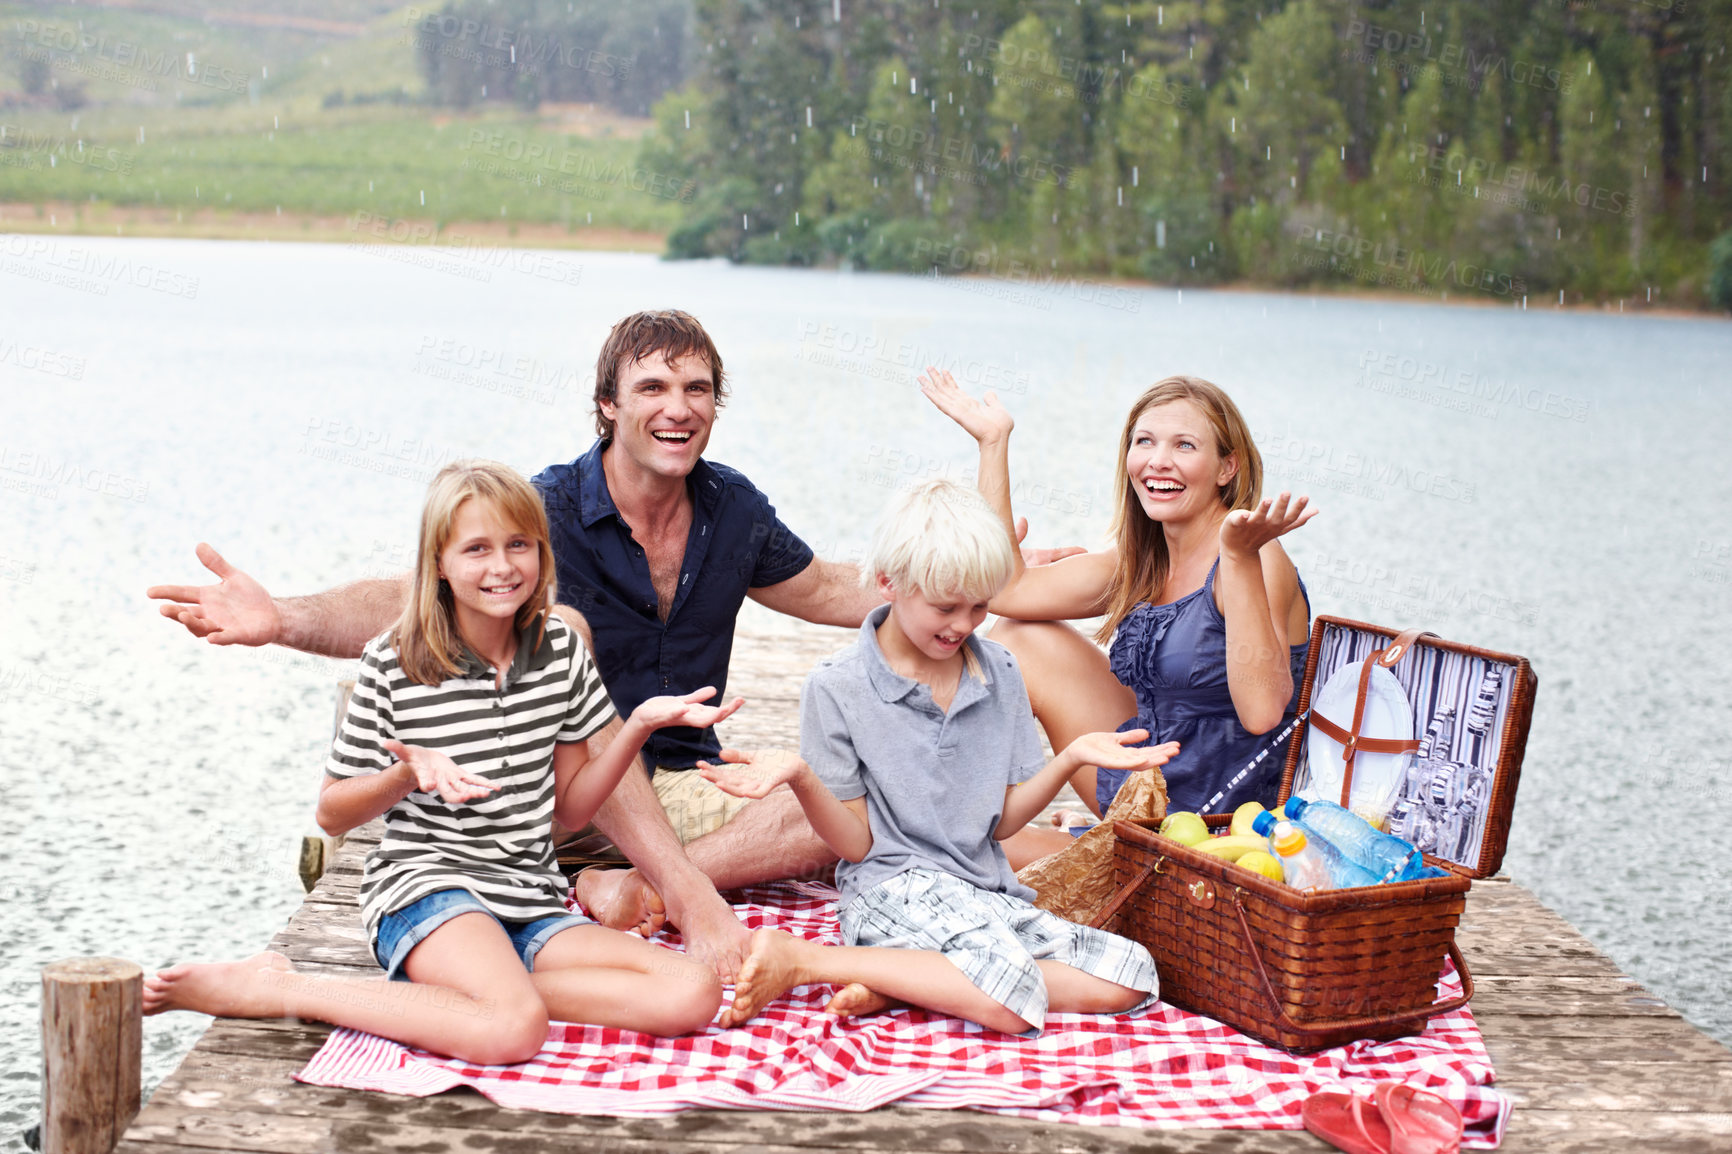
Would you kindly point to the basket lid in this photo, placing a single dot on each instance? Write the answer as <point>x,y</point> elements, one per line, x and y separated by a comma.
<point>1467,714</point>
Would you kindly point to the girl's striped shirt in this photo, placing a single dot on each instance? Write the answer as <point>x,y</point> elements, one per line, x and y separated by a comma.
<point>498,847</point>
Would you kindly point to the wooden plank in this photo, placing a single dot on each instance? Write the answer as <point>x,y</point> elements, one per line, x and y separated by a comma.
<point>211,1088</point>
<point>1509,1045</point>
<point>1565,1084</point>
<point>1618,1132</point>
<point>393,1126</point>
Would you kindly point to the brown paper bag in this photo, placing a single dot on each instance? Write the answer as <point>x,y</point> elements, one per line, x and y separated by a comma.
<point>1078,880</point>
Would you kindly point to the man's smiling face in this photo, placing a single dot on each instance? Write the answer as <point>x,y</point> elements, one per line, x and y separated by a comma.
<point>662,414</point>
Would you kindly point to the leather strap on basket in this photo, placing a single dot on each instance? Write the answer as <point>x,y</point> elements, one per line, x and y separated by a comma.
<point>1102,919</point>
<point>1351,743</point>
<point>1367,1022</point>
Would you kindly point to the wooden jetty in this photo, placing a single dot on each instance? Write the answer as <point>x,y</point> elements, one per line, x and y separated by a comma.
<point>1591,1060</point>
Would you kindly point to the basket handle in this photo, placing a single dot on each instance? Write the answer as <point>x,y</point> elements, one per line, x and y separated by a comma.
<point>1125,891</point>
<point>1331,1025</point>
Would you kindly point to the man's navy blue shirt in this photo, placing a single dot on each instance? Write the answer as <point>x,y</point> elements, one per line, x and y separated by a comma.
<point>736,543</point>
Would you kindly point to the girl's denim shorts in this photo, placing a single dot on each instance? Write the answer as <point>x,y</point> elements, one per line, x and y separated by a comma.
<point>402,930</point>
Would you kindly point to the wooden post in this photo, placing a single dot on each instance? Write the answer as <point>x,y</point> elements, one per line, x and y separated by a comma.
<point>318,850</point>
<point>92,1044</point>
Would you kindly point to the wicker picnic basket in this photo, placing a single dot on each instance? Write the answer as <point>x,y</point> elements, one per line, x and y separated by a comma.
<point>1305,972</point>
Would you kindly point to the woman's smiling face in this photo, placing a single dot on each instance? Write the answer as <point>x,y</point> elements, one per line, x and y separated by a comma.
<point>1174,462</point>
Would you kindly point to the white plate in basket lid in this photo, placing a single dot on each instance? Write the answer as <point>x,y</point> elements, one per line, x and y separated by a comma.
<point>1377,777</point>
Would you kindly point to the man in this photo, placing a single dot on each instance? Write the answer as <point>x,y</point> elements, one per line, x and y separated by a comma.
<point>656,551</point>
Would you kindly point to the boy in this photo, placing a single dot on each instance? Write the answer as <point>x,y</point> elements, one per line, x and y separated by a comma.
<point>918,755</point>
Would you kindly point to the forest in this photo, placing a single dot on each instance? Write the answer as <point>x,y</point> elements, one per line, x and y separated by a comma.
<point>1565,150</point>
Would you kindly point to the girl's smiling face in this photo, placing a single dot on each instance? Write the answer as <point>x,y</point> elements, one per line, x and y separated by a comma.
<point>1174,462</point>
<point>492,567</point>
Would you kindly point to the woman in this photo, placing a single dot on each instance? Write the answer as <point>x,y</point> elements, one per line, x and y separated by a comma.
<point>1207,617</point>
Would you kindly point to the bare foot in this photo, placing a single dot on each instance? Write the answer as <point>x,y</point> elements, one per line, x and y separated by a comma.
<point>714,936</point>
<point>770,970</point>
<point>621,900</point>
<point>855,1001</point>
<point>223,989</point>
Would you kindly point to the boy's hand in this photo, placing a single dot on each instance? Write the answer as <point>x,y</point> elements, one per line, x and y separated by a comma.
<point>1116,750</point>
<point>753,774</point>
<point>658,712</point>
<point>436,773</point>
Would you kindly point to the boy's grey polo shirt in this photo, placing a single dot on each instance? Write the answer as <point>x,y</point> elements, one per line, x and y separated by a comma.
<point>933,781</point>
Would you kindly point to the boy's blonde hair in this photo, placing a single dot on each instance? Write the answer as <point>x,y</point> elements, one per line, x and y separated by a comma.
<point>425,636</point>
<point>940,539</point>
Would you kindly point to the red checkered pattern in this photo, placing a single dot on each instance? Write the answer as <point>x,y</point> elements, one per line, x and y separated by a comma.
<point>1162,1068</point>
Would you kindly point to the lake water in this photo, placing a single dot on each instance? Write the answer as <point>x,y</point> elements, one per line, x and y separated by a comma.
<point>1546,483</point>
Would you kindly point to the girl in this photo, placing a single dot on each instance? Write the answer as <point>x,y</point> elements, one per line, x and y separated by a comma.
<point>1207,617</point>
<point>468,730</point>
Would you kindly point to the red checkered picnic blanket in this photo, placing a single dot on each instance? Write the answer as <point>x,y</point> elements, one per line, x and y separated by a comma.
<point>1162,1068</point>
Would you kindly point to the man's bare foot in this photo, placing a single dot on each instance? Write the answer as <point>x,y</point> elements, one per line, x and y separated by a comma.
<point>621,900</point>
<point>856,1001</point>
<point>223,989</point>
<point>770,970</point>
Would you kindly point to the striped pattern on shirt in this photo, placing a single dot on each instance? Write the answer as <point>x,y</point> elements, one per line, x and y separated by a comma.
<point>497,847</point>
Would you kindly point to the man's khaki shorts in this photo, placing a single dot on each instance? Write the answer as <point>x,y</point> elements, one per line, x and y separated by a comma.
<point>694,806</point>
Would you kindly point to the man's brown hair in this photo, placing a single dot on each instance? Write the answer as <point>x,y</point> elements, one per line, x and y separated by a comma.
<point>671,333</point>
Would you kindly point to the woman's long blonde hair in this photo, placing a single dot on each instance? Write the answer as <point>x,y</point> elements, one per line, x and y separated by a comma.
<point>426,636</point>
<point>1142,541</point>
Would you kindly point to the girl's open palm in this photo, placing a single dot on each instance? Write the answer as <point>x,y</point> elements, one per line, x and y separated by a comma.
<point>1119,750</point>
<point>1245,531</point>
<point>984,419</point>
<point>662,711</point>
<point>753,774</point>
<point>436,773</point>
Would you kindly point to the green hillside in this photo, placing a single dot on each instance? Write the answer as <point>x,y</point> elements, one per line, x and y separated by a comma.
<point>163,110</point>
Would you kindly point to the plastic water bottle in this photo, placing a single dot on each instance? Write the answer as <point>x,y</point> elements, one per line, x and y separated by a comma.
<point>1385,856</point>
<point>1314,864</point>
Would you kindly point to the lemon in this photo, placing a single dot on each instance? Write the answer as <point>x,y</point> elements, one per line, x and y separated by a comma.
<point>1244,816</point>
<point>1185,828</point>
<point>1260,862</point>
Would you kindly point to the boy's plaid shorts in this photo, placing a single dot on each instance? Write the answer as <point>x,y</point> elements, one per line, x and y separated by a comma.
<point>993,938</point>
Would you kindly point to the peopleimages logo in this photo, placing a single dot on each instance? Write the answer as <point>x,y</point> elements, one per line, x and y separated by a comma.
<point>1457,63</point>
<point>1423,267</point>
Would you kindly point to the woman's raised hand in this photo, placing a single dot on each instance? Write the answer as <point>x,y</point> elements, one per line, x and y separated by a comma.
<point>662,711</point>
<point>436,773</point>
<point>1245,531</point>
<point>984,419</point>
<point>754,774</point>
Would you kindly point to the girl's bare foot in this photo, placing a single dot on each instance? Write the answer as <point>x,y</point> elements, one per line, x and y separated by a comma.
<point>246,989</point>
<point>621,900</point>
<point>771,969</point>
<point>855,1001</point>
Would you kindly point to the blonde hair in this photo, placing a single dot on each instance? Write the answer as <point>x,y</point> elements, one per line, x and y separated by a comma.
<point>1142,541</point>
<point>940,539</point>
<point>425,636</point>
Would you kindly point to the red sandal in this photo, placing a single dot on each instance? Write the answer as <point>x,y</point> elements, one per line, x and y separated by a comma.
<point>1398,1119</point>
<point>1348,1122</point>
<point>1419,1121</point>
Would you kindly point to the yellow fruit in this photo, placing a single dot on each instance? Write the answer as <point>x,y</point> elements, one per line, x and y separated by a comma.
<point>1233,847</point>
<point>1261,862</point>
<point>1243,817</point>
<point>1185,828</point>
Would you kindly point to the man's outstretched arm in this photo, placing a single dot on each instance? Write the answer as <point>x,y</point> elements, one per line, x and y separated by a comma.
<point>830,592</point>
<point>237,610</point>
